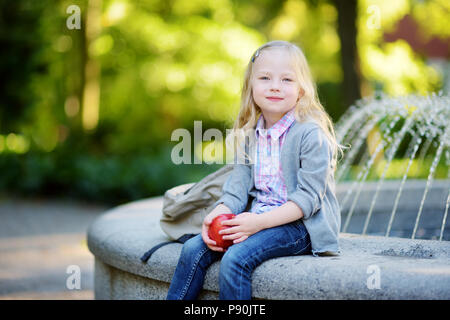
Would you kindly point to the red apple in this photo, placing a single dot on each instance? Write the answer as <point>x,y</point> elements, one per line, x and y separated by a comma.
<point>216,226</point>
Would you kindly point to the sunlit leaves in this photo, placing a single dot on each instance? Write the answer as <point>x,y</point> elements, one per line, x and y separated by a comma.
<point>395,66</point>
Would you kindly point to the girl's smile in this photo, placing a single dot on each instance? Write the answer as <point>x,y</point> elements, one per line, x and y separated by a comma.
<point>275,99</point>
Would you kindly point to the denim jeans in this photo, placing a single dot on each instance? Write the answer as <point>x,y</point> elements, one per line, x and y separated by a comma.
<point>237,263</point>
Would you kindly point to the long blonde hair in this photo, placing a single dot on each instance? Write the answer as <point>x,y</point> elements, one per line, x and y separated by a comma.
<point>307,108</point>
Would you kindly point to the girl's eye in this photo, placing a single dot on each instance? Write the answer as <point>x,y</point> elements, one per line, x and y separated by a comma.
<point>267,78</point>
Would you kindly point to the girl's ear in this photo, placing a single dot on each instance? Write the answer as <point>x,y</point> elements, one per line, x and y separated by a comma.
<point>301,94</point>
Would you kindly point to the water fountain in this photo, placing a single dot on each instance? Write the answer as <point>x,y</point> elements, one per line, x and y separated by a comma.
<point>392,183</point>
<point>394,180</point>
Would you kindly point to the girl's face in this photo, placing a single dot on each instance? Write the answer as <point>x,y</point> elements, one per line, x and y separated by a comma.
<point>275,87</point>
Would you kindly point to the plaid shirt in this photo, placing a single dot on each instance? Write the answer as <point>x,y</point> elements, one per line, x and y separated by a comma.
<point>269,182</point>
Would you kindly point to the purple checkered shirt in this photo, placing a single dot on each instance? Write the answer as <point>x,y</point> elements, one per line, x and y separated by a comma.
<point>269,182</point>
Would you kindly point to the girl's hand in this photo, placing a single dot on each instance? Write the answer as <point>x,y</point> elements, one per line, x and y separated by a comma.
<point>207,222</point>
<point>242,226</point>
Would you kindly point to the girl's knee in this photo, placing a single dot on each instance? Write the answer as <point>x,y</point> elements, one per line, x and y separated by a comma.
<point>193,245</point>
<point>232,261</point>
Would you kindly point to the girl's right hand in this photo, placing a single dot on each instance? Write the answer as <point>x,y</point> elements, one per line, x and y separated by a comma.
<point>220,209</point>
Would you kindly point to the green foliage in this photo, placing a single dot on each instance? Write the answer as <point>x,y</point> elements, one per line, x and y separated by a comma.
<point>19,58</point>
<point>163,65</point>
<point>110,179</point>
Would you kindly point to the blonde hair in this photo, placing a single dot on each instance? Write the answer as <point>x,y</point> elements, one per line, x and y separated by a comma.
<point>307,108</point>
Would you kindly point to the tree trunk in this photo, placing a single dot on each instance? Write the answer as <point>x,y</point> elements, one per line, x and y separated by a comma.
<point>91,89</point>
<point>347,14</point>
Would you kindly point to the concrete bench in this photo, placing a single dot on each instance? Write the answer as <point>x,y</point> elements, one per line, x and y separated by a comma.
<point>406,269</point>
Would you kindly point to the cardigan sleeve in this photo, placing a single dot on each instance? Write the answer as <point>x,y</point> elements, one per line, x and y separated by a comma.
<point>313,174</point>
<point>236,189</point>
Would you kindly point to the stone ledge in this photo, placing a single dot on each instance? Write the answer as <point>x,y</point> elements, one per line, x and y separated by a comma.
<point>409,269</point>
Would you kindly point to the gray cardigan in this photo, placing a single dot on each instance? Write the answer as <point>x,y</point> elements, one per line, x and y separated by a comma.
<point>306,166</point>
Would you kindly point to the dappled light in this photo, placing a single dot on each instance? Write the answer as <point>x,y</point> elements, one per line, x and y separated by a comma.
<point>103,92</point>
<point>111,110</point>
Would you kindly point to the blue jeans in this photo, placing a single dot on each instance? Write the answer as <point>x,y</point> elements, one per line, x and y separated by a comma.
<point>238,262</point>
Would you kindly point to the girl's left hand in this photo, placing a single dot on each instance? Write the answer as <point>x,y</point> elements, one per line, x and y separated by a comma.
<point>241,227</point>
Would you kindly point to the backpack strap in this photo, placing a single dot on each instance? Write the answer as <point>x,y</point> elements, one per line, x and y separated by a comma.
<point>182,239</point>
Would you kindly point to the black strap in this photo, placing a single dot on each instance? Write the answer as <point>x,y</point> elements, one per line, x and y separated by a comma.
<point>182,239</point>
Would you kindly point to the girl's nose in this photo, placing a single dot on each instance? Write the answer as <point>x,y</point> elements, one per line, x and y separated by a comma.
<point>275,86</point>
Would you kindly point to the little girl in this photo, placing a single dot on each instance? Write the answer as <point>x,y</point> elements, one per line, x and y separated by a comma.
<point>294,210</point>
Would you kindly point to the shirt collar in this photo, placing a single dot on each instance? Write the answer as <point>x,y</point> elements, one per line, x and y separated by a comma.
<point>278,128</point>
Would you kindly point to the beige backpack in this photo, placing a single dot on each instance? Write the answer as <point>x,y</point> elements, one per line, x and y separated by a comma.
<point>185,207</point>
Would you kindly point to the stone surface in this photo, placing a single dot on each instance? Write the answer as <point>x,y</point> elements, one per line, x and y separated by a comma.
<point>407,269</point>
<point>39,239</point>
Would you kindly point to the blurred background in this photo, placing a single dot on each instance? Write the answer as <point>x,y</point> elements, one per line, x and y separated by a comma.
<point>91,94</point>
<point>93,89</point>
